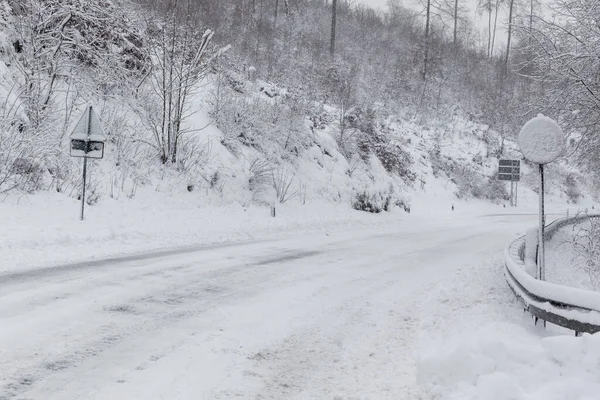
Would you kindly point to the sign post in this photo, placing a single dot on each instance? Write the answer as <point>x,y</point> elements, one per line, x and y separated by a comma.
<point>542,234</point>
<point>83,187</point>
<point>517,173</point>
<point>510,170</point>
<point>87,141</point>
<point>541,141</point>
<point>512,193</point>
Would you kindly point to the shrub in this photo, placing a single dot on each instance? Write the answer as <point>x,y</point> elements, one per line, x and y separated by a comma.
<point>267,126</point>
<point>395,160</point>
<point>28,175</point>
<point>571,188</point>
<point>372,203</point>
<point>283,179</point>
<point>259,178</point>
<point>370,140</point>
<point>586,245</point>
<point>471,183</point>
<point>495,189</point>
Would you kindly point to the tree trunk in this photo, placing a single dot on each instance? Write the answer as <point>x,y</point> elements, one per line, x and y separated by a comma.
<point>333,23</point>
<point>530,22</point>
<point>495,26</point>
<point>489,44</point>
<point>276,11</point>
<point>427,22</point>
<point>455,21</point>
<point>510,15</point>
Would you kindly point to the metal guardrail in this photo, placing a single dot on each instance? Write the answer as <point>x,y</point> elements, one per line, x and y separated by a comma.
<point>571,308</point>
<point>556,225</point>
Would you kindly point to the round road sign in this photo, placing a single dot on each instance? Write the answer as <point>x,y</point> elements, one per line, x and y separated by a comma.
<point>541,140</point>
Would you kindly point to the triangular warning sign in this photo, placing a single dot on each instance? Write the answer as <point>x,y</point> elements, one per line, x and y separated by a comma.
<point>88,127</point>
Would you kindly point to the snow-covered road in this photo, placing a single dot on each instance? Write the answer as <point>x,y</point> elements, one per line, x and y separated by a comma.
<point>340,316</point>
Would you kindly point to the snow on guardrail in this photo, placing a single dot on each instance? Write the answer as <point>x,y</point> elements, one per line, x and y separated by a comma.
<point>570,307</point>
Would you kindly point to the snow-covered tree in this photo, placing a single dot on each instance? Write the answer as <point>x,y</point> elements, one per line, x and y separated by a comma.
<point>58,39</point>
<point>181,54</point>
<point>561,54</point>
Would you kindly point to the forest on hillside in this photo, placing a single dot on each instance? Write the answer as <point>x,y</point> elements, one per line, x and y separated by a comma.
<point>152,57</point>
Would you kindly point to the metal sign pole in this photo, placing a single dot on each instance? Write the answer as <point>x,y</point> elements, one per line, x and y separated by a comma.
<point>513,177</point>
<point>85,160</point>
<point>512,192</point>
<point>541,258</point>
<point>83,191</point>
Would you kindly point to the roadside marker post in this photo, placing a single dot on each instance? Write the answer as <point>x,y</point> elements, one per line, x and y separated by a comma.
<point>87,141</point>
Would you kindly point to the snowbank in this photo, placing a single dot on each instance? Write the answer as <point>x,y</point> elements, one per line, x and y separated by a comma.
<point>492,365</point>
<point>482,346</point>
<point>44,229</point>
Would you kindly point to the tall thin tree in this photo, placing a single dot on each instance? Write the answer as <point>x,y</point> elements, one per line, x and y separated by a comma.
<point>510,18</point>
<point>455,40</point>
<point>333,26</point>
<point>497,8</point>
<point>427,28</point>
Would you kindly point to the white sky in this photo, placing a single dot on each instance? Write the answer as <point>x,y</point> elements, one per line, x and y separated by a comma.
<point>374,3</point>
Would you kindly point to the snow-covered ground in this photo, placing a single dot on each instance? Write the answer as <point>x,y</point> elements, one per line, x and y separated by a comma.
<point>44,229</point>
<point>168,295</point>
<point>415,309</point>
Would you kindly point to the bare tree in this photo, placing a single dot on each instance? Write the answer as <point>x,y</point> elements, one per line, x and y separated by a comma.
<point>497,5</point>
<point>427,27</point>
<point>182,56</point>
<point>333,26</point>
<point>563,60</point>
<point>58,61</point>
<point>510,28</point>
<point>487,6</point>
<point>454,37</point>
<point>449,10</point>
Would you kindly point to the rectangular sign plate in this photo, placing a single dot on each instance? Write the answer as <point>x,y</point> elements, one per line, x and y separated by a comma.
<point>90,149</point>
<point>509,170</point>
<point>509,177</point>
<point>509,163</point>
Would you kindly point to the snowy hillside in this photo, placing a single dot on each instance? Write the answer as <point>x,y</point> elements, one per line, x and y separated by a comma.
<point>388,160</point>
<point>218,129</point>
